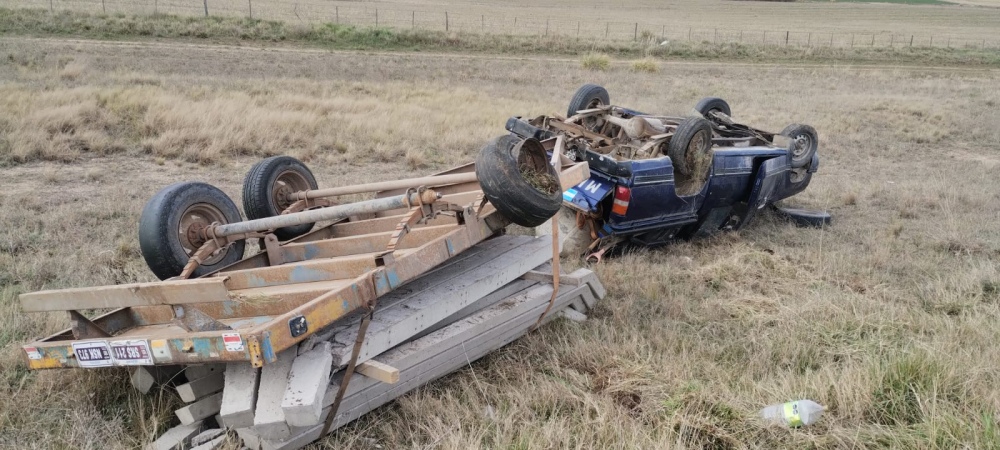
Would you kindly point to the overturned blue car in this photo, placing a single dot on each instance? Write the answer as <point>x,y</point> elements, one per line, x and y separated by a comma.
<point>654,179</point>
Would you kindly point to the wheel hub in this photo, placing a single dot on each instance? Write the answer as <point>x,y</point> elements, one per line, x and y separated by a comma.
<point>196,234</point>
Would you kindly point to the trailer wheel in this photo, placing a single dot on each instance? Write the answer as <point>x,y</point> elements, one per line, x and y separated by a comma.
<point>518,180</point>
<point>267,186</point>
<point>707,105</point>
<point>803,145</point>
<point>169,225</point>
<point>690,148</point>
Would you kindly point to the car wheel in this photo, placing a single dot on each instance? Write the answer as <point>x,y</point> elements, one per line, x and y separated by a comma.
<point>690,148</point>
<point>707,105</point>
<point>803,145</point>
<point>169,225</point>
<point>518,180</point>
<point>266,188</point>
<point>589,96</point>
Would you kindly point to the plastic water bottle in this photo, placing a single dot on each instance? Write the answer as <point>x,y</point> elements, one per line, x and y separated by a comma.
<point>794,414</point>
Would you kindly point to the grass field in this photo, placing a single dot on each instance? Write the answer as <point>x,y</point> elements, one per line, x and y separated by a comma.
<point>838,24</point>
<point>889,317</point>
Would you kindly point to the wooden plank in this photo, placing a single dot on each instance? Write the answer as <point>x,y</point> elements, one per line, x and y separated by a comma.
<point>201,409</point>
<point>439,302</point>
<point>180,292</point>
<point>201,387</point>
<point>379,371</point>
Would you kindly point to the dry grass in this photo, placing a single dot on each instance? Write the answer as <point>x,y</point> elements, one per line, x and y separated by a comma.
<point>888,317</point>
<point>648,65</point>
<point>596,61</point>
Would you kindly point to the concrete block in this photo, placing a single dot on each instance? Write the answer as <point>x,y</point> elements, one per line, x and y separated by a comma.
<point>143,378</point>
<point>307,383</point>
<point>269,419</point>
<point>206,407</point>
<point>175,437</point>
<point>206,436</point>
<point>212,444</point>
<point>239,395</point>
<point>201,387</point>
<point>249,438</point>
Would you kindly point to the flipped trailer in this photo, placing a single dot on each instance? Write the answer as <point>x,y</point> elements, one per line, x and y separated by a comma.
<point>309,288</point>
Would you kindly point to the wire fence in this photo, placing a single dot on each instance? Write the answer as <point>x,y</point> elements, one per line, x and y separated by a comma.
<point>313,12</point>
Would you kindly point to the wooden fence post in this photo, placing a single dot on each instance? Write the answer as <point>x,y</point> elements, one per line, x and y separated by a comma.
<point>546,26</point>
<point>786,38</point>
<point>831,40</point>
<point>763,41</point>
<point>892,39</point>
<point>250,8</point>
<point>104,7</point>
<point>413,19</point>
<point>446,21</point>
<point>336,10</point>
<point>689,34</point>
<point>52,10</point>
<point>911,40</point>
<point>873,40</point>
<point>716,37</point>
<point>635,34</point>
<point>376,17</point>
<point>809,42</point>
<point>577,28</point>
<point>607,28</point>
<point>206,7</point>
<point>852,40</point>
<point>156,7</point>
<point>932,40</point>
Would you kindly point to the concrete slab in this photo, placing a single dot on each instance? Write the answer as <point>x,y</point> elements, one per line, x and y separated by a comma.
<point>307,383</point>
<point>269,419</point>
<point>206,407</point>
<point>176,437</point>
<point>201,387</point>
<point>239,395</point>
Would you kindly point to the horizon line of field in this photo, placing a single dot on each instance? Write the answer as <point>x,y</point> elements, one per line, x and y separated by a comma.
<point>514,25</point>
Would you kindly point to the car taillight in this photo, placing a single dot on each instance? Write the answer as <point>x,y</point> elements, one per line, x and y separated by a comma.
<point>622,196</point>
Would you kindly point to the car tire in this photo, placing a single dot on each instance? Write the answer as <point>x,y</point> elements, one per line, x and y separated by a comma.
<point>500,169</point>
<point>587,97</point>
<point>690,145</point>
<point>709,104</point>
<point>167,247</point>
<point>266,186</point>
<point>803,145</point>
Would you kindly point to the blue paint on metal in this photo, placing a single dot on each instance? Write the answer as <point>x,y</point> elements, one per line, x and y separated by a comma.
<point>227,308</point>
<point>255,281</point>
<point>311,250</point>
<point>302,274</point>
<point>451,248</point>
<point>381,283</point>
<point>393,278</point>
<point>266,349</point>
<point>203,347</point>
<point>345,305</point>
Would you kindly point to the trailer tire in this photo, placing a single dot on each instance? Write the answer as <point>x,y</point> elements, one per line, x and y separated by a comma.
<point>266,185</point>
<point>167,218</point>
<point>690,148</point>
<point>803,145</point>
<point>501,168</point>
<point>709,104</point>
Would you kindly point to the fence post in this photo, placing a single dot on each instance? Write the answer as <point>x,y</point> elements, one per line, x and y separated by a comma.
<point>546,26</point>
<point>741,36</point>
<point>911,40</point>
<point>873,40</point>
<point>852,40</point>
<point>786,38</point>
<point>635,34</point>
<point>577,28</point>
<point>250,6</point>
<point>689,34</point>
<point>156,7</point>
<point>831,40</point>
<point>949,42</point>
<point>716,37</point>
<point>809,42</point>
<point>607,28</point>
<point>932,40</point>
<point>984,44</point>
<point>376,17</point>
<point>206,7</point>
<point>104,7</point>
<point>892,39</point>
<point>336,10</point>
<point>763,41</point>
<point>413,19</point>
<point>446,21</point>
<point>663,33</point>
<point>51,9</point>
<point>482,22</point>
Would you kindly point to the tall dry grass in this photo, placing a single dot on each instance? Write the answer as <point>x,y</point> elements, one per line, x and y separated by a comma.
<point>888,317</point>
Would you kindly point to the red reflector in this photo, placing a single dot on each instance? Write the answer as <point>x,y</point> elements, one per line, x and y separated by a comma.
<point>622,196</point>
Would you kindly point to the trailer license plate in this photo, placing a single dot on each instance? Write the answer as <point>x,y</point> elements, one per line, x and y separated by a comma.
<point>131,353</point>
<point>93,354</point>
